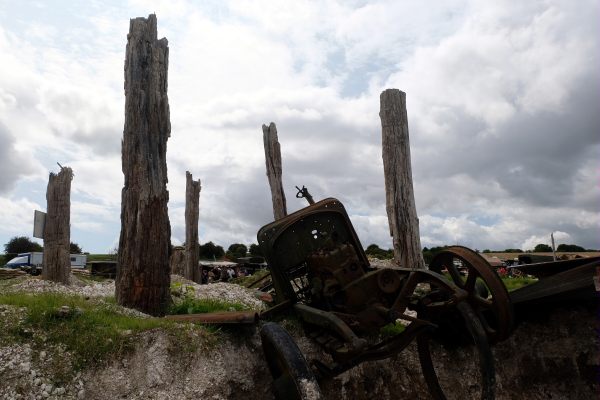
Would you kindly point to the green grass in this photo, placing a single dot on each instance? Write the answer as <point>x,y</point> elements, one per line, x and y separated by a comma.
<point>94,331</point>
<point>517,282</point>
<point>91,331</point>
<point>392,329</point>
<point>185,302</point>
<point>197,306</point>
<point>511,283</point>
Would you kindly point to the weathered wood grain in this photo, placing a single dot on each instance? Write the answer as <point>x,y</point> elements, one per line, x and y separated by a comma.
<point>274,170</point>
<point>143,278</point>
<point>57,231</point>
<point>400,198</point>
<point>192,210</point>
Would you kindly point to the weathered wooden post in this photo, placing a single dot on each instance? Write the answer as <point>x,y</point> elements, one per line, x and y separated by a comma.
<point>192,247</point>
<point>57,231</point>
<point>143,278</point>
<point>273,161</point>
<point>177,260</point>
<point>400,198</point>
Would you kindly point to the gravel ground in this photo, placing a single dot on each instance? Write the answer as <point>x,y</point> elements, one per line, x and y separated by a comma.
<point>77,287</point>
<point>223,291</point>
<point>219,290</point>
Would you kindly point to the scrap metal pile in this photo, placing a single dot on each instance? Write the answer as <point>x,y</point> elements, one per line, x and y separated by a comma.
<point>320,273</point>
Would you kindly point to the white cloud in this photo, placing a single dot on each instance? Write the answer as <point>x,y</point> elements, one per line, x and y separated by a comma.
<point>532,241</point>
<point>500,97</point>
<point>17,217</point>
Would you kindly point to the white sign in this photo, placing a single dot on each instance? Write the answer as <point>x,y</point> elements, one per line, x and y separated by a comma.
<point>39,222</point>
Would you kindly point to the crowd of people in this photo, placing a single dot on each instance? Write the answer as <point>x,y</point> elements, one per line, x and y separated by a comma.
<point>223,273</point>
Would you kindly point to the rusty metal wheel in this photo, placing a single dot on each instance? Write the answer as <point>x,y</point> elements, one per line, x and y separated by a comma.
<point>292,377</point>
<point>487,294</point>
<point>483,379</point>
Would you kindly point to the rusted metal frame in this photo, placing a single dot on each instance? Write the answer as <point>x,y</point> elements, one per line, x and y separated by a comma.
<point>416,276</point>
<point>277,308</point>
<point>304,213</point>
<point>571,280</point>
<point>230,317</point>
<point>258,281</point>
<point>317,208</point>
<point>303,193</point>
<point>395,344</point>
<point>379,351</point>
<point>547,269</point>
<point>496,312</point>
<point>330,321</point>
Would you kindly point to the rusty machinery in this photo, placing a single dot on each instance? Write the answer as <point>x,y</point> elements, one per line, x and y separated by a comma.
<point>320,272</point>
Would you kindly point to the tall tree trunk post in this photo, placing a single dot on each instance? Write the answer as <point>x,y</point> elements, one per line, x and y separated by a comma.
<point>143,277</point>
<point>57,231</point>
<point>399,195</point>
<point>273,162</point>
<point>192,247</point>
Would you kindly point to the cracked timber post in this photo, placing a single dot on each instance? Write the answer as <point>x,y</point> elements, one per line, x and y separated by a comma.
<point>192,250</point>
<point>273,162</point>
<point>57,231</point>
<point>399,195</point>
<point>143,277</point>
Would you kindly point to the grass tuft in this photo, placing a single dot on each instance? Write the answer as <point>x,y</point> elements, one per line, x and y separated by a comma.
<point>517,282</point>
<point>392,329</point>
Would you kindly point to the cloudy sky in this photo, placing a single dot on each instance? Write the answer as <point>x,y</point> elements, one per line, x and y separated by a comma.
<point>503,104</point>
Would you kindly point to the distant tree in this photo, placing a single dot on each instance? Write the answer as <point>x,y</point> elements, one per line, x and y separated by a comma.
<point>428,254</point>
<point>375,251</point>
<point>542,248</point>
<point>21,244</point>
<point>237,250</point>
<point>210,251</point>
<point>486,251</point>
<point>372,250</point>
<point>255,250</point>
<point>75,249</point>
<point>513,251</point>
<point>569,248</point>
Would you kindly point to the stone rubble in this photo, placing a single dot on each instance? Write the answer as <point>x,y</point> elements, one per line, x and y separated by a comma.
<point>26,374</point>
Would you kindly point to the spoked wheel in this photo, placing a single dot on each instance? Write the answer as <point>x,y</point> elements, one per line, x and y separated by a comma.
<point>487,294</point>
<point>484,380</point>
<point>292,377</point>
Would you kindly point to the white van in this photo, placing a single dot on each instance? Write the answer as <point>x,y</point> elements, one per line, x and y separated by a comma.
<point>36,259</point>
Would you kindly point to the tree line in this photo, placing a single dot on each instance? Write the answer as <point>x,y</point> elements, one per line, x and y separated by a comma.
<point>375,251</point>
<point>22,244</point>
<point>212,251</point>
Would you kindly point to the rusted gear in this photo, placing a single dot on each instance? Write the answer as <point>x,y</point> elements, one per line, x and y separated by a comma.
<point>494,307</point>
